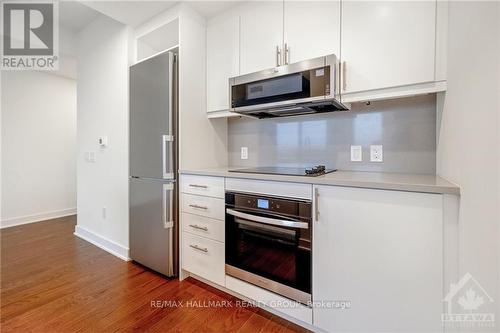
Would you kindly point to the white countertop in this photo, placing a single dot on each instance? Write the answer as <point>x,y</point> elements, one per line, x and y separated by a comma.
<point>376,180</point>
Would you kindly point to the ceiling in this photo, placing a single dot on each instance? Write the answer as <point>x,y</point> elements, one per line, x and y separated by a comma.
<point>134,13</point>
<point>74,16</point>
<point>212,8</point>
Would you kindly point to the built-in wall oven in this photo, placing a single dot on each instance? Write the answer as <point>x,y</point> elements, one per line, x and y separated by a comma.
<point>268,243</point>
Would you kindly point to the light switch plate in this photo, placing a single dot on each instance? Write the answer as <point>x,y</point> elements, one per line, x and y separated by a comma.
<point>376,153</point>
<point>356,154</point>
<point>90,156</point>
<point>244,153</point>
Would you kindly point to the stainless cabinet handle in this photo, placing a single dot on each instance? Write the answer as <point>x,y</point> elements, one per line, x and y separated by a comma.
<point>195,226</point>
<point>316,204</point>
<point>287,54</point>
<point>199,207</point>
<point>196,247</point>
<point>278,56</point>
<point>198,186</point>
<point>344,79</point>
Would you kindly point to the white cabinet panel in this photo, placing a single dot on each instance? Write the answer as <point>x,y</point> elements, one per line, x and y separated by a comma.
<point>261,33</point>
<point>204,206</point>
<point>387,43</point>
<point>203,185</point>
<point>282,189</point>
<point>222,60</point>
<point>203,257</point>
<point>203,226</point>
<point>382,251</point>
<point>312,29</point>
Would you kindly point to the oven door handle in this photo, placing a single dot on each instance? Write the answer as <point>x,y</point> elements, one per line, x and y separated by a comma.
<point>268,220</point>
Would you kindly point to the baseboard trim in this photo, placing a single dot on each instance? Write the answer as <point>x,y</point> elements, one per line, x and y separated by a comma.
<point>40,217</point>
<point>102,242</point>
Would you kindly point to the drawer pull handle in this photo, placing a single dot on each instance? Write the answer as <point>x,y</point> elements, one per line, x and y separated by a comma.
<point>196,247</point>
<point>198,186</point>
<point>198,207</point>
<point>195,226</point>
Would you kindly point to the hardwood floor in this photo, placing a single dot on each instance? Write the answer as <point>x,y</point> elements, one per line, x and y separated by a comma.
<point>52,281</point>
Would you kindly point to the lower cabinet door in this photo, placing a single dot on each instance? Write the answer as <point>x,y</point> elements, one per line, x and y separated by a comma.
<point>203,257</point>
<point>379,253</point>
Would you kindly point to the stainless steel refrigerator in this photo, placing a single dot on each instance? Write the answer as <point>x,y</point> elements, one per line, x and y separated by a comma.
<point>153,221</point>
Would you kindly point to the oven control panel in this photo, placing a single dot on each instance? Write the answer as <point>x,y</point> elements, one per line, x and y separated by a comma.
<point>281,206</point>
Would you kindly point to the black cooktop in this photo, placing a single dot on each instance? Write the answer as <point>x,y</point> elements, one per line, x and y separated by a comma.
<point>288,171</point>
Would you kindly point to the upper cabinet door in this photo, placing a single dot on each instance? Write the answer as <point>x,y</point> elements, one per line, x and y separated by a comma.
<point>312,29</point>
<point>387,44</point>
<point>223,56</point>
<point>261,35</point>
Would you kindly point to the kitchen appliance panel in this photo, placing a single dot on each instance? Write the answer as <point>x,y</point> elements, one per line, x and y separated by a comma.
<point>151,118</point>
<point>153,194</point>
<point>268,243</point>
<point>152,215</point>
<point>309,86</point>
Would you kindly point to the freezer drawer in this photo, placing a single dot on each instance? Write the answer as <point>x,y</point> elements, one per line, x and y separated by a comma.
<point>152,215</point>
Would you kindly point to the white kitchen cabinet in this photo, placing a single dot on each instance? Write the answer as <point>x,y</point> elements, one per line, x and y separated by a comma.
<point>222,60</point>
<point>202,185</point>
<point>381,251</point>
<point>312,29</point>
<point>261,35</point>
<point>387,44</point>
<point>203,257</point>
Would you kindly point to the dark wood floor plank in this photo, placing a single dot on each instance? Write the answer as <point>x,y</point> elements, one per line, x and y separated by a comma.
<point>52,281</point>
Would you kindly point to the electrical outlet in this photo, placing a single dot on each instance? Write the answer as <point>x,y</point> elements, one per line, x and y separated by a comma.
<point>244,153</point>
<point>356,154</point>
<point>104,213</point>
<point>376,153</point>
<point>103,141</point>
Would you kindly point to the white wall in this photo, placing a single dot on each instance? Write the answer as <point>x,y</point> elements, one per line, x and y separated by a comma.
<point>102,95</point>
<point>38,146</point>
<point>469,143</point>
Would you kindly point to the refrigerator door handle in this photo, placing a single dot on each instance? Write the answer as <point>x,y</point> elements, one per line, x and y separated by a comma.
<point>168,163</point>
<point>168,170</point>
<point>170,91</point>
<point>168,207</point>
<point>168,223</point>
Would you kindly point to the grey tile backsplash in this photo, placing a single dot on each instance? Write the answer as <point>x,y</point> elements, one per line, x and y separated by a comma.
<point>405,127</point>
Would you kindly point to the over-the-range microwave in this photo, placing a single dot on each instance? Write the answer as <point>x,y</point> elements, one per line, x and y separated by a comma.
<point>309,86</point>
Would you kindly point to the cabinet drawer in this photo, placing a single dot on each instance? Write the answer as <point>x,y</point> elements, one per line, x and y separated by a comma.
<point>203,257</point>
<point>203,226</point>
<point>204,206</point>
<point>203,185</point>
